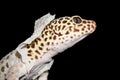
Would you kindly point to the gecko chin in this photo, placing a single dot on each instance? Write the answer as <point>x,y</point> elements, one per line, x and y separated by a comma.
<point>77,39</point>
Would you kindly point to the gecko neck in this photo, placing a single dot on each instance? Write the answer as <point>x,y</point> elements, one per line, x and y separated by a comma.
<point>40,46</point>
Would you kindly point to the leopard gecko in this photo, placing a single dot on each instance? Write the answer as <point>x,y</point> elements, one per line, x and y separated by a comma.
<point>32,59</point>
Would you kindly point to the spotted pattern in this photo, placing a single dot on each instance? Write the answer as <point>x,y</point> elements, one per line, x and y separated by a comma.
<point>59,31</point>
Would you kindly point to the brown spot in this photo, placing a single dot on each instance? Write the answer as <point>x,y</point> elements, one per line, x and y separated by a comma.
<point>2,68</point>
<point>48,25</point>
<point>40,48</point>
<point>36,57</point>
<point>33,45</point>
<point>7,65</point>
<point>42,35</point>
<point>74,24</point>
<point>59,38</point>
<point>29,51</point>
<point>63,27</point>
<point>28,46</point>
<point>50,32</point>
<point>55,21</point>
<point>55,32</point>
<point>51,27</point>
<point>46,28</point>
<point>52,43</point>
<point>54,37</point>
<point>46,32</point>
<point>50,37</point>
<point>48,43</point>
<point>82,29</point>
<point>59,27</point>
<point>76,30</point>
<point>59,21</point>
<point>59,34</point>
<point>57,43</point>
<point>80,25</point>
<point>67,33</point>
<point>47,49</point>
<point>86,31</point>
<point>92,26</point>
<point>7,57</point>
<point>84,26</point>
<point>88,25</point>
<point>92,22</point>
<point>74,34</point>
<point>45,39</point>
<point>70,28</point>
<point>55,27</point>
<point>29,55</point>
<point>68,23</point>
<point>62,42</point>
<point>64,21</point>
<point>71,21</point>
<point>42,44</point>
<point>88,21</point>
<point>36,41</point>
<point>18,55</point>
<point>84,22</point>
<point>71,37</point>
<point>31,58</point>
<point>37,51</point>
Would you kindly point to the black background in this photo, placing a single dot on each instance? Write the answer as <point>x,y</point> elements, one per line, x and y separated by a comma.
<point>85,60</point>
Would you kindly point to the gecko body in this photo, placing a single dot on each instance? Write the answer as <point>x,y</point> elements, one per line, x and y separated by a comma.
<point>32,59</point>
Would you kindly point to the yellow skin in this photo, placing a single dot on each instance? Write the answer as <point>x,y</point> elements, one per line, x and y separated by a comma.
<point>57,36</point>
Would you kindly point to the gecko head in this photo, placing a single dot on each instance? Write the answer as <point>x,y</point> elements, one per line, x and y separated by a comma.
<point>66,31</point>
<point>71,28</point>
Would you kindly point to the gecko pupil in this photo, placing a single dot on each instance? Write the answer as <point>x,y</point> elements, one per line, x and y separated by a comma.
<point>77,20</point>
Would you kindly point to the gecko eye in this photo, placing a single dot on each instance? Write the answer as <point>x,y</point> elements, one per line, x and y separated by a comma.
<point>77,19</point>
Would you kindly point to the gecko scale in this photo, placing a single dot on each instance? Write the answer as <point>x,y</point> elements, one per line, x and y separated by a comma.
<point>32,59</point>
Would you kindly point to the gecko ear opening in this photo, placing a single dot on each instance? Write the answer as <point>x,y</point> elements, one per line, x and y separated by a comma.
<point>77,19</point>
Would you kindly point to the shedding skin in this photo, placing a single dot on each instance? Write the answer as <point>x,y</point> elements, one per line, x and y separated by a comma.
<point>59,32</point>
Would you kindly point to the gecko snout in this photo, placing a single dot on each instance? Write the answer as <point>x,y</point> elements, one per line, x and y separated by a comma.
<point>89,26</point>
<point>93,25</point>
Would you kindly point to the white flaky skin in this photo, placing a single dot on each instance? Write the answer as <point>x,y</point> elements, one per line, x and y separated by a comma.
<point>38,28</point>
<point>14,61</point>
